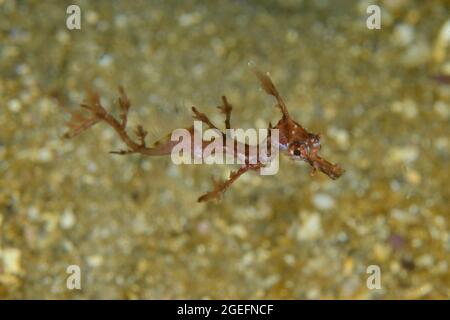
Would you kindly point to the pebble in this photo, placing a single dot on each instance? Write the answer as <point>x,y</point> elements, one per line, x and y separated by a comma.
<point>239,231</point>
<point>442,109</point>
<point>402,216</point>
<point>173,171</point>
<point>14,105</point>
<point>396,241</point>
<point>413,177</point>
<point>441,144</point>
<point>62,36</point>
<point>23,69</point>
<point>121,21</point>
<point>313,293</point>
<point>291,36</point>
<point>417,54</point>
<point>46,106</point>
<point>105,60</point>
<point>381,252</point>
<point>11,260</point>
<point>91,17</point>
<point>289,259</point>
<point>348,266</point>
<point>311,228</point>
<point>407,107</point>
<point>425,261</point>
<point>68,219</point>
<point>189,19</point>
<point>271,280</point>
<point>323,201</point>
<point>405,154</point>
<point>44,155</point>
<point>404,34</point>
<point>441,44</point>
<point>33,213</point>
<point>95,260</point>
<point>203,227</point>
<point>341,136</point>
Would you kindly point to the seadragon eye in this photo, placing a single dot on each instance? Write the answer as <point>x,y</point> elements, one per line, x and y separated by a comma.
<point>297,152</point>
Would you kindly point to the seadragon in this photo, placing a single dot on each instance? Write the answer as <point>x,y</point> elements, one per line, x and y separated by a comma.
<point>293,139</point>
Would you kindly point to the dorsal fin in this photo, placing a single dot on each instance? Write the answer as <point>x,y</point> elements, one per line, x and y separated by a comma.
<point>269,88</point>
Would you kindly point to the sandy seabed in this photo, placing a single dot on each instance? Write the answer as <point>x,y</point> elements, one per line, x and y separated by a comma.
<point>132,223</point>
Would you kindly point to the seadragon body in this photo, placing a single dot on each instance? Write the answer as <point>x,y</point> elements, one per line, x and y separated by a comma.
<point>293,139</point>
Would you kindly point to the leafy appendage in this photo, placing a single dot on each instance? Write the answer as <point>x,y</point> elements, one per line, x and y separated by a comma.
<point>80,122</point>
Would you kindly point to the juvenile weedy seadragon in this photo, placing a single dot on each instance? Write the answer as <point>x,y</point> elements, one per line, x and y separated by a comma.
<point>293,139</point>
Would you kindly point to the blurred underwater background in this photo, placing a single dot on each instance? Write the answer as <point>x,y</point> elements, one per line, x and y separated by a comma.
<point>379,98</point>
